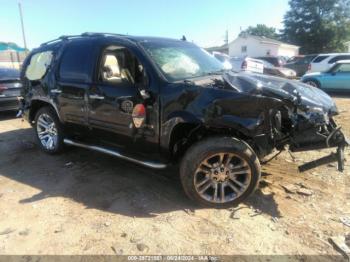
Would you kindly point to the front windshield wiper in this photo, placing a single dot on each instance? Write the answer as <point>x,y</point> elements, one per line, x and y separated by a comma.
<point>218,72</point>
<point>187,81</point>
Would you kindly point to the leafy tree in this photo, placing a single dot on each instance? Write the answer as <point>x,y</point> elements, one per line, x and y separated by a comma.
<point>317,26</point>
<point>261,30</point>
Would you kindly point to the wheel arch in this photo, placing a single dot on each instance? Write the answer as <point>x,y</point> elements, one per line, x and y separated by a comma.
<point>185,134</point>
<point>35,106</point>
<point>318,82</point>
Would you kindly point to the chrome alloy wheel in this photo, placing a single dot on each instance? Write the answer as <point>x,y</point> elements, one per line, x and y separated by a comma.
<point>47,131</point>
<point>222,177</point>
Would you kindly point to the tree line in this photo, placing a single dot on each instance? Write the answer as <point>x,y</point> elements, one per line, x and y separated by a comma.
<point>317,26</point>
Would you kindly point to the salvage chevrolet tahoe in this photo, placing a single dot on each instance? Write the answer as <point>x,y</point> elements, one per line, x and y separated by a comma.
<point>157,102</point>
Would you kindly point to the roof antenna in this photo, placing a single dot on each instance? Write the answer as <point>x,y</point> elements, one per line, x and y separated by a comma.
<point>183,38</point>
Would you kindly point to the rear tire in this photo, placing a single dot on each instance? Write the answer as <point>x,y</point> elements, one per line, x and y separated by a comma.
<point>219,172</point>
<point>49,131</point>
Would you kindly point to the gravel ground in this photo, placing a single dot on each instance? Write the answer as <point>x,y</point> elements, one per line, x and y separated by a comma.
<point>83,202</point>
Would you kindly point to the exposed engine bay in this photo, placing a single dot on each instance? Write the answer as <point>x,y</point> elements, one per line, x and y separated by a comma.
<point>302,117</point>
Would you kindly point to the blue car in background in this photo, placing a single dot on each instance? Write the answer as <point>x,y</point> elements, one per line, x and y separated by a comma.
<point>337,78</point>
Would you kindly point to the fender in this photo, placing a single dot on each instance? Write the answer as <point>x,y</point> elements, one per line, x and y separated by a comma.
<point>174,120</point>
<point>42,99</point>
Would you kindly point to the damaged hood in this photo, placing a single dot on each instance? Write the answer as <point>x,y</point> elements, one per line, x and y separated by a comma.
<point>305,97</point>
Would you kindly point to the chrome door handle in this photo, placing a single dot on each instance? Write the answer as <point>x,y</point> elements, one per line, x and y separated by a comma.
<point>56,91</point>
<point>96,97</point>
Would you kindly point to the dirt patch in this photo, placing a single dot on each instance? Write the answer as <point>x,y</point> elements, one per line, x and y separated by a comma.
<point>87,203</point>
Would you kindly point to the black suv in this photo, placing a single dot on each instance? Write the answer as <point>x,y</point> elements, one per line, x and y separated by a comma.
<point>157,102</point>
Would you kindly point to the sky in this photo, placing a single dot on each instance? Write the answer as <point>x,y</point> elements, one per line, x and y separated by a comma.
<point>201,21</point>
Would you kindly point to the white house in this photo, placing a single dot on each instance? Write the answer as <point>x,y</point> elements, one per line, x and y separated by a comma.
<point>253,46</point>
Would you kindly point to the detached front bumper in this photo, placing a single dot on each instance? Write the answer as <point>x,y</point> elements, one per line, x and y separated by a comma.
<point>335,139</point>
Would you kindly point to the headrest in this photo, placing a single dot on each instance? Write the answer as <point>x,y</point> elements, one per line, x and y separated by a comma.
<point>115,71</point>
<point>111,66</point>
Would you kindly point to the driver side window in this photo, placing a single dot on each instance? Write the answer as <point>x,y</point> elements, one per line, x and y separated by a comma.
<point>119,67</point>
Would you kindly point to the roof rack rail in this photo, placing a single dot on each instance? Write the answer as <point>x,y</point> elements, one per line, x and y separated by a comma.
<point>86,34</point>
<point>61,38</point>
<point>100,34</point>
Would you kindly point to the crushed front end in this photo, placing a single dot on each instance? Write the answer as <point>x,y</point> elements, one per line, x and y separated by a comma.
<point>305,121</point>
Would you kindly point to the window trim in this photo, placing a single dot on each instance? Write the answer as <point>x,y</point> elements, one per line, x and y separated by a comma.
<point>319,56</point>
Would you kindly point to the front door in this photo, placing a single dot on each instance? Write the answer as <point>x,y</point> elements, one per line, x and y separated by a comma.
<point>339,78</point>
<point>113,97</point>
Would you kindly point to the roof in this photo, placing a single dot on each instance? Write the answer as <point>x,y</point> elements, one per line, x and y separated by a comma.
<point>329,54</point>
<point>266,40</point>
<point>89,35</point>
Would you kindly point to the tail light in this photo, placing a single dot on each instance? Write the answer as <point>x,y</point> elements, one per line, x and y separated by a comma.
<point>244,65</point>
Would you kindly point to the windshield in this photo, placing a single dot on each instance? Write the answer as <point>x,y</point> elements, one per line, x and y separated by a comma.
<point>182,60</point>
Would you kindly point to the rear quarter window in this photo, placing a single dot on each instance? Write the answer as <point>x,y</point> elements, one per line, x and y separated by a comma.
<point>320,58</point>
<point>338,58</point>
<point>76,62</point>
<point>38,65</point>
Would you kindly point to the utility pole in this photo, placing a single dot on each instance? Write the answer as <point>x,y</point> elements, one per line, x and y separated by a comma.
<point>21,16</point>
<point>226,37</point>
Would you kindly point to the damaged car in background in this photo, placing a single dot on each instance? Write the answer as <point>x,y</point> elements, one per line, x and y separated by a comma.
<point>158,102</point>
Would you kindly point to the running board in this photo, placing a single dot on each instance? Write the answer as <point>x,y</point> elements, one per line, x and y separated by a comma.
<point>115,153</point>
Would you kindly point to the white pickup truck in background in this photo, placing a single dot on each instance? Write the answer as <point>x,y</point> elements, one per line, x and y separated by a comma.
<point>238,64</point>
<point>247,64</point>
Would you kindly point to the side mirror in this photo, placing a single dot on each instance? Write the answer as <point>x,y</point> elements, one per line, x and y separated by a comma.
<point>333,73</point>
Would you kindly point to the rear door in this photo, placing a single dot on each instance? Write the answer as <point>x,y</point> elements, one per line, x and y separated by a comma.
<point>74,80</point>
<point>319,64</point>
<point>301,66</point>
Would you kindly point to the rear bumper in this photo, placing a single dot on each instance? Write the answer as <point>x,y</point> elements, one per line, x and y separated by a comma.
<point>9,103</point>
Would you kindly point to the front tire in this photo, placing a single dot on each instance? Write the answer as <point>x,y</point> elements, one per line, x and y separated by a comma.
<point>219,172</point>
<point>49,131</point>
<point>313,83</point>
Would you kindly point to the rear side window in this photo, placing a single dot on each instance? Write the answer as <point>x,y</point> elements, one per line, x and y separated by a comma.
<point>38,65</point>
<point>338,58</point>
<point>76,62</point>
<point>320,58</point>
<point>308,59</point>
